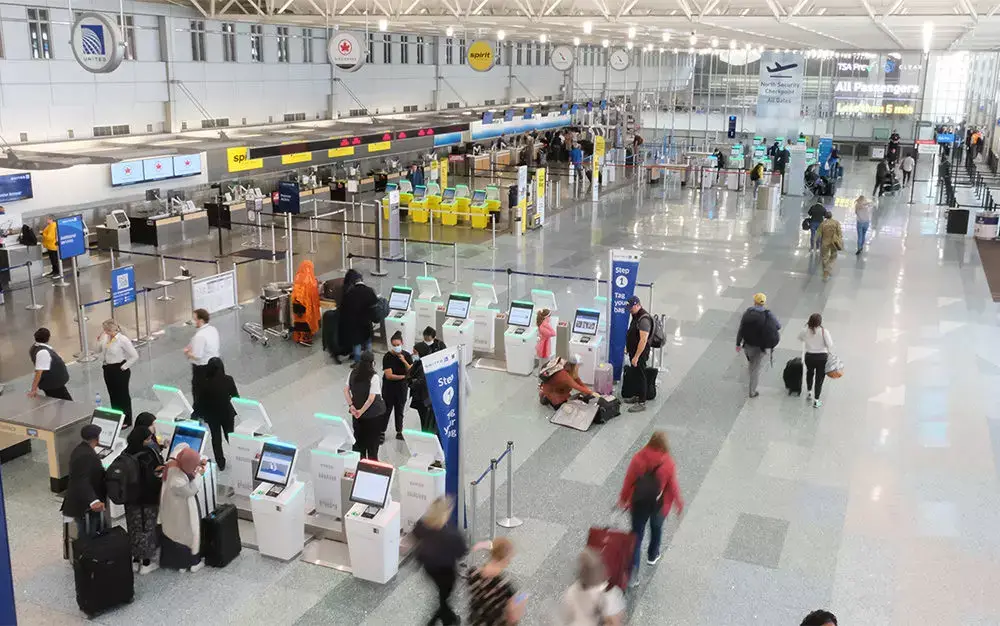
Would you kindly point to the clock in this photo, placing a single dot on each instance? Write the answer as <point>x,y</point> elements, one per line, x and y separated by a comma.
<point>619,59</point>
<point>563,57</point>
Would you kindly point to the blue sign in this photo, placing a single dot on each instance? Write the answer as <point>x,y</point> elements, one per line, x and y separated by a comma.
<point>825,149</point>
<point>946,138</point>
<point>488,117</point>
<point>563,108</point>
<point>7,613</point>
<point>604,104</point>
<point>528,112</point>
<point>590,106</point>
<point>508,115</point>
<point>288,197</point>
<point>624,272</point>
<point>122,285</point>
<point>574,109</point>
<point>441,370</point>
<point>70,235</point>
<point>15,187</point>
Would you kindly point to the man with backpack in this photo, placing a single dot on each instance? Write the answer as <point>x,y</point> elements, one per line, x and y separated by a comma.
<point>759,332</point>
<point>643,334</point>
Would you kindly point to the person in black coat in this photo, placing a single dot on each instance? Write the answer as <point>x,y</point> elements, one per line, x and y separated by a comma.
<point>214,405</point>
<point>420,399</point>
<point>356,314</point>
<point>86,493</point>
<point>141,514</point>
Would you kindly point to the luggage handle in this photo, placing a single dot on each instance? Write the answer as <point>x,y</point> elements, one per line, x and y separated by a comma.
<point>89,515</point>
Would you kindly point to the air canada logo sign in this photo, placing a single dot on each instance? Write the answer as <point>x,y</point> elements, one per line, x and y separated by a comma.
<point>345,52</point>
<point>97,43</point>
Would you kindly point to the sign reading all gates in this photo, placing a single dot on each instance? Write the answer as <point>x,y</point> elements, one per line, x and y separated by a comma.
<point>481,55</point>
<point>522,197</point>
<point>624,273</point>
<point>97,43</point>
<point>122,286</point>
<point>72,241</point>
<point>346,52</point>
<point>540,195</point>
<point>441,371</point>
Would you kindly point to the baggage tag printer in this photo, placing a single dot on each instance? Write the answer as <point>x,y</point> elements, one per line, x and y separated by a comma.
<point>520,337</point>
<point>333,466</point>
<point>253,428</point>
<point>278,503</point>
<point>174,408</point>
<point>485,318</point>
<point>586,342</point>
<point>400,317</point>
<point>372,525</point>
<point>425,306</point>
<point>422,477</point>
<point>458,329</point>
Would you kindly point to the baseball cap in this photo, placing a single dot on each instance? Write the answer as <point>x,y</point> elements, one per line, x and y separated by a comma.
<point>634,300</point>
<point>575,359</point>
<point>759,298</point>
<point>90,432</point>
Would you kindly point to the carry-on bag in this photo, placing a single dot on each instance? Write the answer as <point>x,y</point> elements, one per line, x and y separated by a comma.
<point>631,382</point>
<point>102,568</point>
<point>608,408</point>
<point>617,548</point>
<point>575,414</point>
<point>220,530</point>
<point>604,379</point>
<point>793,376</point>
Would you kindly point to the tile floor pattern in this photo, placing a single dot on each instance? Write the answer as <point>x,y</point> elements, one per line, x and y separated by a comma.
<point>883,505</point>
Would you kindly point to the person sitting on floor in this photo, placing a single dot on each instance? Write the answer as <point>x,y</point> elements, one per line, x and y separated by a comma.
<point>558,387</point>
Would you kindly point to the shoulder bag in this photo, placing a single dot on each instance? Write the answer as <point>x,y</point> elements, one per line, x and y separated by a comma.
<point>834,364</point>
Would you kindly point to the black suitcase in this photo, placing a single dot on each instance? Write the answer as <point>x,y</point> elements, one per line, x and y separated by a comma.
<point>102,569</point>
<point>630,382</point>
<point>220,529</point>
<point>793,376</point>
<point>608,408</point>
<point>329,327</point>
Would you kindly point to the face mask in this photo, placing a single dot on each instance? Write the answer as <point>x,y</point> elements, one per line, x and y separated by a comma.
<point>430,343</point>
<point>416,357</point>
<point>397,349</point>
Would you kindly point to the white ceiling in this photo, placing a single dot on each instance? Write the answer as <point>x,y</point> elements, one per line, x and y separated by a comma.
<point>865,25</point>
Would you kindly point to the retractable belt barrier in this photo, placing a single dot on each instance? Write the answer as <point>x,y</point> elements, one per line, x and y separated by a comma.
<point>509,521</point>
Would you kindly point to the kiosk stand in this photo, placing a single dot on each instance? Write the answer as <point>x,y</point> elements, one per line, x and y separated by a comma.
<point>520,338</point>
<point>253,428</point>
<point>372,525</point>
<point>422,477</point>
<point>586,342</point>
<point>447,211</point>
<point>278,504</point>
<point>174,408</point>
<point>418,205</point>
<point>110,445</point>
<point>333,466</point>
<point>400,317</point>
<point>485,318</point>
<point>425,306</point>
<point>480,212</point>
<point>457,329</point>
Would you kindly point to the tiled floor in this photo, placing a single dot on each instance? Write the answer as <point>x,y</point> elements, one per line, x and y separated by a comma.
<point>882,506</point>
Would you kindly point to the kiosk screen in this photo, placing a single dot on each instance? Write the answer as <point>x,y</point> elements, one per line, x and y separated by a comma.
<point>371,483</point>
<point>585,322</point>
<point>121,219</point>
<point>276,460</point>
<point>449,195</point>
<point>520,314</point>
<point>419,192</point>
<point>110,422</point>
<point>390,187</point>
<point>458,306</point>
<point>399,298</point>
<point>190,434</point>
<point>478,197</point>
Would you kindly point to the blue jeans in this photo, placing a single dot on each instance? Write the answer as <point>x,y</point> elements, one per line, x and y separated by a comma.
<point>639,521</point>
<point>359,348</point>
<point>862,234</point>
<point>813,239</point>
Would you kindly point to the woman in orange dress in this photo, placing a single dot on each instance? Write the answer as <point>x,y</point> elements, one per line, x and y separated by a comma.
<point>305,304</point>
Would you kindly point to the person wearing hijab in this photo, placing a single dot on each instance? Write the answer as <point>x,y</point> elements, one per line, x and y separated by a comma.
<point>181,540</point>
<point>305,304</point>
<point>140,515</point>
<point>213,404</point>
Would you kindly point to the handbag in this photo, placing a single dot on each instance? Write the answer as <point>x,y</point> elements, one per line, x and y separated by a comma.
<point>805,224</point>
<point>834,364</point>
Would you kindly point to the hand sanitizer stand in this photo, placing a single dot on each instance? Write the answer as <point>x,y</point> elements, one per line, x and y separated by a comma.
<point>420,482</point>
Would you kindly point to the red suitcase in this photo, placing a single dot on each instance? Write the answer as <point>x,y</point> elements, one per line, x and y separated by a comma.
<point>617,549</point>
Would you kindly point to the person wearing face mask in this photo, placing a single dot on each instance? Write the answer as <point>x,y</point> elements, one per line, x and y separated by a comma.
<point>395,365</point>
<point>420,399</point>
<point>431,343</point>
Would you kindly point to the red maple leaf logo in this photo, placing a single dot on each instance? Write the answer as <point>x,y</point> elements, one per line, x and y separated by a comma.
<point>158,165</point>
<point>386,137</point>
<point>356,141</point>
<point>345,47</point>
<point>345,142</point>
<point>128,170</point>
<point>420,133</point>
<point>187,161</point>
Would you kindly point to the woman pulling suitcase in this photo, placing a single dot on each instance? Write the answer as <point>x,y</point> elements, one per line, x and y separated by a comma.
<point>818,343</point>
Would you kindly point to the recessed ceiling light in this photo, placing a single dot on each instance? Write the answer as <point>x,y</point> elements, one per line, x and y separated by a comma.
<point>383,24</point>
<point>693,39</point>
<point>631,32</point>
<point>543,38</point>
<point>605,43</point>
<point>715,42</point>
<point>665,36</point>
<point>576,41</point>
<point>588,27</point>
<point>501,35</point>
<point>629,45</point>
<point>449,31</point>
<point>732,44</point>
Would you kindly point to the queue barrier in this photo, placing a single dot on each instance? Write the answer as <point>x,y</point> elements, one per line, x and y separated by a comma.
<point>34,306</point>
<point>509,520</point>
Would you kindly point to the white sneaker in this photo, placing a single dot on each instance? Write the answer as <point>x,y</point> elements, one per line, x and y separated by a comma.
<point>198,566</point>
<point>149,569</point>
<point>654,561</point>
<point>135,566</point>
<point>634,581</point>
<point>817,404</point>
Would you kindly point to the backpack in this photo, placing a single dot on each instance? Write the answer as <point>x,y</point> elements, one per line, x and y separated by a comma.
<point>646,493</point>
<point>656,335</point>
<point>762,332</point>
<point>123,479</point>
<point>551,368</point>
<point>380,310</point>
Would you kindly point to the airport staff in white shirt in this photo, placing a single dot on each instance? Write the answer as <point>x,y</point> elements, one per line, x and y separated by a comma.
<point>204,346</point>
<point>118,356</point>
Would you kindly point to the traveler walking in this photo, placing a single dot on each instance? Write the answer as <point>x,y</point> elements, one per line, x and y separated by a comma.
<point>863,217</point>
<point>883,176</point>
<point>818,343</point>
<point>51,374</point>
<point>591,599</point>
<point>213,404</point>
<point>493,600</point>
<point>637,349</point>
<point>907,165</point>
<point>141,513</point>
<point>118,356</point>
<point>181,538</point>
<point>759,332</point>
<point>204,346</point>
<point>815,217</point>
<point>364,399</point>
<point>395,365</point>
<point>649,492</point>
<point>831,238</point>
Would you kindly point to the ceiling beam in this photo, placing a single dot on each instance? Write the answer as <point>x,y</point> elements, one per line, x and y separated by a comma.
<point>971,10</point>
<point>281,10</point>
<point>686,8</point>
<point>552,7</point>
<point>775,8</point>
<point>347,6</point>
<point>603,8</point>
<point>880,23</point>
<point>993,11</point>
<point>624,9</point>
<point>709,7</point>
<point>200,10</point>
<point>801,5</point>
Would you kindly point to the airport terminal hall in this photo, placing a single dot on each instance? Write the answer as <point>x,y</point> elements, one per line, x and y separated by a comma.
<point>499,312</point>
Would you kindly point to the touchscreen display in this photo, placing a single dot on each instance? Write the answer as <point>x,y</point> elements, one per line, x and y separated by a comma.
<point>520,314</point>
<point>449,195</point>
<point>399,299</point>
<point>275,464</point>
<point>109,427</point>
<point>585,322</point>
<point>192,436</point>
<point>458,306</point>
<point>370,487</point>
<point>479,197</point>
<point>418,192</point>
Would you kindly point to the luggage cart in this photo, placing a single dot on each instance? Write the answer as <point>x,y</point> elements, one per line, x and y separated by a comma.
<point>275,314</point>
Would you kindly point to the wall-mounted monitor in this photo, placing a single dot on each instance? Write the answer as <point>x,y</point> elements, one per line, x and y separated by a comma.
<point>15,187</point>
<point>126,173</point>
<point>187,165</point>
<point>488,117</point>
<point>158,169</point>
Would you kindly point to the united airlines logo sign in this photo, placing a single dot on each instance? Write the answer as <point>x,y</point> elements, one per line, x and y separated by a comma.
<point>97,43</point>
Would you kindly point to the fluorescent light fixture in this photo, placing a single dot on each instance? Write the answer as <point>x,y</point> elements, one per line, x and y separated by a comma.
<point>661,49</point>
<point>383,24</point>
<point>501,35</point>
<point>605,43</point>
<point>649,47</point>
<point>928,35</point>
<point>543,38</point>
<point>630,44</point>
<point>747,46</point>
<point>715,42</point>
<point>693,39</point>
<point>588,27</point>
<point>576,41</point>
<point>449,31</point>
<point>631,32</point>
<point>732,44</point>
<point>665,37</point>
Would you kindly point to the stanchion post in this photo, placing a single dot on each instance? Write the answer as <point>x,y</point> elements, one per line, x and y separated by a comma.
<point>406,262</point>
<point>510,277</point>
<point>510,521</point>
<point>493,498</point>
<point>218,266</point>
<point>378,271</point>
<point>145,307</point>
<point>112,252</point>
<point>163,277</point>
<point>289,272</point>
<point>312,233</point>
<point>274,249</point>
<point>430,222</point>
<point>343,241</point>
<point>425,271</point>
<point>236,288</point>
<point>651,294</point>
<point>81,319</point>
<point>34,306</point>
<point>474,487</point>
<point>454,263</point>
<point>493,227</point>
<point>138,329</point>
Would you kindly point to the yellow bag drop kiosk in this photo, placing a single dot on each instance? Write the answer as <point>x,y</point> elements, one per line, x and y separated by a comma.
<point>405,192</point>
<point>462,202</point>
<point>447,208</point>
<point>418,205</point>
<point>433,198</point>
<point>477,206</point>
<point>493,198</point>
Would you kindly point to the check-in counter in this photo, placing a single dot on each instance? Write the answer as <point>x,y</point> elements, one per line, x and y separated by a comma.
<point>56,422</point>
<point>16,254</point>
<point>157,230</point>
<point>225,213</point>
<point>481,163</point>
<point>194,224</point>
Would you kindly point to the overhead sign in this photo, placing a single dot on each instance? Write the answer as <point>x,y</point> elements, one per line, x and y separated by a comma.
<point>596,166</point>
<point>256,154</point>
<point>563,58</point>
<point>340,152</point>
<point>15,187</point>
<point>122,285</point>
<point>443,376</point>
<point>296,157</point>
<point>874,89</point>
<point>481,55</point>
<point>70,236</point>
<point>854,107</point>
<point>238,160</point>
<point>97,43</point>
<point>624,266</point>
<point>345,52</point>
<point>779,96</point>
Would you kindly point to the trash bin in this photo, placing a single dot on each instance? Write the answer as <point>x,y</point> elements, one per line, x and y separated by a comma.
<point>767,197</point>
<point>987,225</point>
<point>958,222</point>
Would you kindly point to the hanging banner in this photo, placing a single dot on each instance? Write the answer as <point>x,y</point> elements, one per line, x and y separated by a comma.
<point>441,370</point>
<point>596,166</point>
<point>624,273</point>
<point>443,169</point>
<point>825,148</point>
<point>522,196</point>
<point>779,97</point>
<point>540,195</point>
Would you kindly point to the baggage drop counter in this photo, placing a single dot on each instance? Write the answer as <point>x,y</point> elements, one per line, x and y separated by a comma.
<point>56,422</point>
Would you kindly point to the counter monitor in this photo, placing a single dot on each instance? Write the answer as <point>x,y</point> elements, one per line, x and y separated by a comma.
<point>399,298</point>
<point>458,306</point>
<point>276,461</point>
<point>449,195</point>
<point>520,314</point>
<point>478,197</point>
<point>585,322</point>
<point>121,219</point>
<point>419,191</point>
<point>371,483</point>
<point>110,422</point>
<point>190,433</point>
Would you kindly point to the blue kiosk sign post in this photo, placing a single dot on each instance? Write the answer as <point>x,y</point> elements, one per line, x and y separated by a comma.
<point>72,241</point>
<point>624,266</point>
<point>123,293</point>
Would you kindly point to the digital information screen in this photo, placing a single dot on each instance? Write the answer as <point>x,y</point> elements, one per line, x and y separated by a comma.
<point>275,464</point>
<point>585,322</point>
<point>15,187</point>
<point>458,306</point>
<point>520,314</point>
<point>399,299</point>
<point>158,169</point>
<point>126,173</point>
<point>187,165</point>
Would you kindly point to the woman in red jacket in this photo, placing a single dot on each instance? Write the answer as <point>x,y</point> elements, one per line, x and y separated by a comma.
<point>649,492</point>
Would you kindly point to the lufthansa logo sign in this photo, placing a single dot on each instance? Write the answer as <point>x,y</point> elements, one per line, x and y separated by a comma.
<point>346,52</point>
<point>97,43</point>
<point>480,56</point>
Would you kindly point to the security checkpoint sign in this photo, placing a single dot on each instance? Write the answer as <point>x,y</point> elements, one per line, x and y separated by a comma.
<point>443,376</point>
<point>624,274</point>
<point>122,285</point>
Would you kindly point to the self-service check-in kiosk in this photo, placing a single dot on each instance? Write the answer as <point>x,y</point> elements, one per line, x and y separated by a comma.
<point>418,204</point>
<point>585,342</point>
<point>480,212</point>
<point>422,477</point>
<point>373,523</point>
<point>448,215</point>
<point>405,192</point>
<point>253,428</point>
<point>333,466</point>
<point>458,329</point>
<point>400,317</point>
<point>485,318</point>
<point>109,445</point>
<point>278,503</point>
<point>116,233</point>
<point>174,408</point>
<point>520,338</point>
<point>425,305</point>
<point>462,201</point>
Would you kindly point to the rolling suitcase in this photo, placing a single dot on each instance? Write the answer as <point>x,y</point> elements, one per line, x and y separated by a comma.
<point>102,569</point>
<point>630,382</point>
<point>220,530</point>
<point>608,408</point>
<point>793,376</point>
<point>604,379</point>
<point>617,548</point>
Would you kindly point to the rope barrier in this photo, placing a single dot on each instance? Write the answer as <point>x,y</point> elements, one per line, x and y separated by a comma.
<point>165,256</point>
